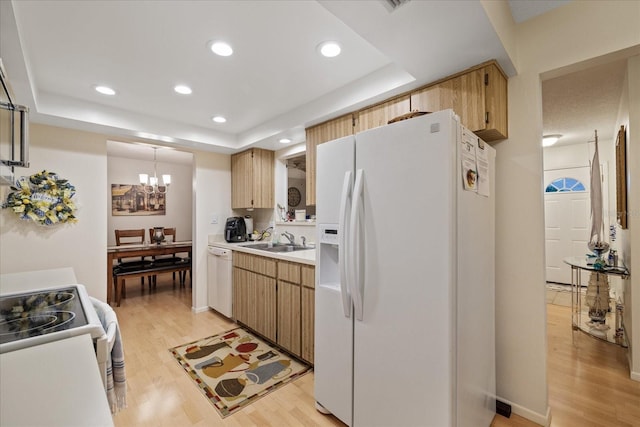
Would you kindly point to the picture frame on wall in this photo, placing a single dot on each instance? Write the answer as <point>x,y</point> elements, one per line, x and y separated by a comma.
<point>621,177</point>
<point>132,199</point>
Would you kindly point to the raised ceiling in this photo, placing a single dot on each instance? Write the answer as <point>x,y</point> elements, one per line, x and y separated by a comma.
<point>575,105</point>
<point>274,85</point>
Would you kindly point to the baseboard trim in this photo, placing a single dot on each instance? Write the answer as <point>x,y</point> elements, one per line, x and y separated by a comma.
<point>199,309</point>
<point>543,420</point>
<point>635,376</point>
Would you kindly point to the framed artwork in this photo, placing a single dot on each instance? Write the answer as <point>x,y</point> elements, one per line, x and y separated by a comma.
<point>128,199</point>
<point>621,177</point>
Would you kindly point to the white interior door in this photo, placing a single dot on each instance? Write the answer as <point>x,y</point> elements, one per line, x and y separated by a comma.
<point>567,219</point>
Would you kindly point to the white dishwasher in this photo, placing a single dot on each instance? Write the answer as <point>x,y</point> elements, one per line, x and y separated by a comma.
<point>219,280</point>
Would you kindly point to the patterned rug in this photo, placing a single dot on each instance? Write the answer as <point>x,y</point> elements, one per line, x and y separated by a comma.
<point>235,368</point>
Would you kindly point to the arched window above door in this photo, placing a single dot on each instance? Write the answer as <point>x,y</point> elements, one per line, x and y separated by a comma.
<point>563,185</point>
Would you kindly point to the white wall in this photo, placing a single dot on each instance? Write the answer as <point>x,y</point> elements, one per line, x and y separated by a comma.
<point>179,197</point>
<point>212,197</point>
<point>81,158</point>
<point>566,156</point>
<point>576,32</point>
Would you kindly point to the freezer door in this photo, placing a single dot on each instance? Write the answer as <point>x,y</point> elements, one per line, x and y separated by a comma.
<point>333,358</point>
<point>476,369</point>
<point>403,363</point>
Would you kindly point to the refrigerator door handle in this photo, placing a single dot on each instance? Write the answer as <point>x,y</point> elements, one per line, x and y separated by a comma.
<point>345,203</point>
<point>353,246</point>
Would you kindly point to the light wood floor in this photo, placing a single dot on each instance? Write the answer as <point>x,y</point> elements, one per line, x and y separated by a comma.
<point>588,379</point>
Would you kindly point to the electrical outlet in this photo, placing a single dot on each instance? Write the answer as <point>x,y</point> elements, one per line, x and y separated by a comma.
<point>214,218</point>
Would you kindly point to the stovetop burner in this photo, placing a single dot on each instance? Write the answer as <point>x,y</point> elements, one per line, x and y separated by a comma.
<point>39,313</point>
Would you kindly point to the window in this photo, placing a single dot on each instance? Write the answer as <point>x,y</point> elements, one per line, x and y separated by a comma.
<point>562,185</point>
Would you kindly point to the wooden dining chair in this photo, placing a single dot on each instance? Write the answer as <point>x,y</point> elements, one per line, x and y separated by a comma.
<point>130,237</point>
<point>174,258</point>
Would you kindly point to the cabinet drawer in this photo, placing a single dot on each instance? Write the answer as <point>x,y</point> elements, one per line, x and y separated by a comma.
<point>289,271</point>
<point>257,264</point>
<point>308,273</point>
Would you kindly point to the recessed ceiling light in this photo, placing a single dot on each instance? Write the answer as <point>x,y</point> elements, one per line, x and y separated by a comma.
<point>221,48</point>
<point>183,90</point>
<point>549,140</point>
<point>329,49</point>
<point>105,90</point>
<point>219,119</point>
<point>285,141</point>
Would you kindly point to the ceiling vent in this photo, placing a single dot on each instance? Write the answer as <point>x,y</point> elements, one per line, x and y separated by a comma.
<point>392,5</point>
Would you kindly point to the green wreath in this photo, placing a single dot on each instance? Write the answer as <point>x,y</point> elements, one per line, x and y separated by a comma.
<point>43,198</point>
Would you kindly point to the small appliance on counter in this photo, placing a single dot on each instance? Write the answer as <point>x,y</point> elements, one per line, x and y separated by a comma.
<point>235,230</point>
<point>248,222</point>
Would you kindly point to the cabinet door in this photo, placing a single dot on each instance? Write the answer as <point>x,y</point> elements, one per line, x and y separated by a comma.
<point>289,316</point>
<point>324,132</point>
<point>427,99</point>
<point>379,115</point>
<point>263,179</point>
<point>308,312</point>
<point>241,295</point>
<point>465,94</point>
<point>263,302</point>
<point>254,301</point>
<point>496,104</point>
<point>241,180</point>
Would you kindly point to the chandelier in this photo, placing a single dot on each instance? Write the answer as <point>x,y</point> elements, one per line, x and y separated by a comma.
<point>151,184</point>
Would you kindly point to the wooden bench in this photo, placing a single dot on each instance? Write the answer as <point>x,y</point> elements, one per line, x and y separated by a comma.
<point>148,268</point>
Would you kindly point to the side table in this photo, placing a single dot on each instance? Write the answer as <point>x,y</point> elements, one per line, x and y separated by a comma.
<point>580,320</point>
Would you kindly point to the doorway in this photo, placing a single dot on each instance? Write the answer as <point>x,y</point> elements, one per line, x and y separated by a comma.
<point>575,105</point>
<point>297,186</point>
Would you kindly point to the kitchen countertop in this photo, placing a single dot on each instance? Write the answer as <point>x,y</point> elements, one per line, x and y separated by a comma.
<point>303,257</point>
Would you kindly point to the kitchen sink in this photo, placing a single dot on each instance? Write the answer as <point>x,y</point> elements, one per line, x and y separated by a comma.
<point>270,247</point>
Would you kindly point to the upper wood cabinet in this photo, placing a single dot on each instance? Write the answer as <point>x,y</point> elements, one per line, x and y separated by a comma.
<point>478,96</point>
<point>252,179</point>
<point>324,132</point>
<point>380,114</point>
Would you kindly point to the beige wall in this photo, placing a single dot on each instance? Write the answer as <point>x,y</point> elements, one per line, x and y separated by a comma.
<point>81,158</point>
<point>576,32</point>
<point>212,196</point>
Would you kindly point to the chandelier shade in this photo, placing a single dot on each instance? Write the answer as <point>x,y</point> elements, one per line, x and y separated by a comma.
<point>151,184</point>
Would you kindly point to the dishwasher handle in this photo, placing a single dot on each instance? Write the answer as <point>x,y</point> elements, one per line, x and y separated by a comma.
<point>226,253</point>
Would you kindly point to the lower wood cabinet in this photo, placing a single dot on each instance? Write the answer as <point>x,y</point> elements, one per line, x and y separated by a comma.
<point>308,314</point>
<point>254,301</point>
<point>277,300</point>
<point>289,316</point>
<point>308,303</point>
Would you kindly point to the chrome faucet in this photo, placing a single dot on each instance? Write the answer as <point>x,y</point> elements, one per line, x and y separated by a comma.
<point>290,237</point>
<point>304,241</point>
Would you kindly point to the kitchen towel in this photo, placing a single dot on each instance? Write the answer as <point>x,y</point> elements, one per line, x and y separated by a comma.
<point>116,385</point>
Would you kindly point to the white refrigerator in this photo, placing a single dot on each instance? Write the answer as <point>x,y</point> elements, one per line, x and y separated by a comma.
<point>404,304</point>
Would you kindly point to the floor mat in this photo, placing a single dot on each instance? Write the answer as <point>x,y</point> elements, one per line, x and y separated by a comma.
<point>235,368</point>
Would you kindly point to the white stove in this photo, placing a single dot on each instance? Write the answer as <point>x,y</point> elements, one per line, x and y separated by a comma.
<point>46,314</point>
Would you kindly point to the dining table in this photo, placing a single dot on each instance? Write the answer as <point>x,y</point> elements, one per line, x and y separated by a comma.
<point>140,250</point>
